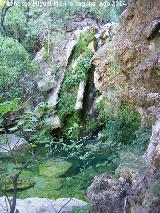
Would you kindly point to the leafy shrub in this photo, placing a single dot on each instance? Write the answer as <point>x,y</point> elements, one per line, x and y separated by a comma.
<point>33,126</point>
<point>91,125</point>
<point>85,39</point>
<point>102,110</point>
<point>120,129</point>
<point>15,23</point>
<point>142,137</point>
<point>15,63</point>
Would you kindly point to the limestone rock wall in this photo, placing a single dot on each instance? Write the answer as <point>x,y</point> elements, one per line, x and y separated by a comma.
<point>50,77</point>
<point>130,65</point>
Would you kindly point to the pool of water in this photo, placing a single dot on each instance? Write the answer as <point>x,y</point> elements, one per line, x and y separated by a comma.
<point>54,176</point>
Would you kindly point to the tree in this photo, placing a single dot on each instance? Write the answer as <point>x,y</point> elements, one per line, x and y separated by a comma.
<point>15,65</point>
<point>5,108</point>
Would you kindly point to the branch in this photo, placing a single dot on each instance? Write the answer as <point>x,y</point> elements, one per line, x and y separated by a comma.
<point>65,205</point>
<point>15,181</point>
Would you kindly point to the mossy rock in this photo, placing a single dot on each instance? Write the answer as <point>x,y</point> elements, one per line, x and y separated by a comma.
<point>54,168</point>
<point>45,187</point>
<point>27,175</point>
<point>20,186</point>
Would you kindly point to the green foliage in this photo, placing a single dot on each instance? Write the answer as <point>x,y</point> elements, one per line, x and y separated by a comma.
<point>158,72</point>
<point>84,41</point>
<point>72,127</point>
<point>9,106</point>
<point>28,24</point>
<point>6,108</point>
<point>33,126</point>
<point>69,91</point>
<point>91,125</point>
<point>142,137</point>
<point>15,63</point>
<point>120,129</point>
<point>102,110</point>
<point>15,23</point>
<point>47,55</point>
<point>36,125</point>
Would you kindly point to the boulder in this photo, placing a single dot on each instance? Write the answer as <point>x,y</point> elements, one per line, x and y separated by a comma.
<point>43,205</point>
<point>21,185</point>
<point>11,142</point>
<point>53,122</point>
<point>106,194</point>
<point>137,190</point>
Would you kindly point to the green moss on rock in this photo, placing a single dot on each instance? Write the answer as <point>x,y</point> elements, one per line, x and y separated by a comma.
<point>85,39</point>
<point>68,94</point>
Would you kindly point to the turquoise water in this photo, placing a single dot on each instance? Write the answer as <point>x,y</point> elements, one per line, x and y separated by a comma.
<point>55,176</point>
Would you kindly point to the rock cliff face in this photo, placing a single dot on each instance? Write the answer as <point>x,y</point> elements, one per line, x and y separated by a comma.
<point>50,77</point>
<point>129,65</point>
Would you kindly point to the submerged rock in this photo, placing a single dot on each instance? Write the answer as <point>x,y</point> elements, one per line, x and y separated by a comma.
<point>21,185</point>
<point>54,168</point>
<point>43,205</point>
<point>48,187</point>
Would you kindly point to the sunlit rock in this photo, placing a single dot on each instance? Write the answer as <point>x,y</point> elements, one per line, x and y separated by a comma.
<point>41,205</point>
<point>10,141</point>
<point>80,95</point>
